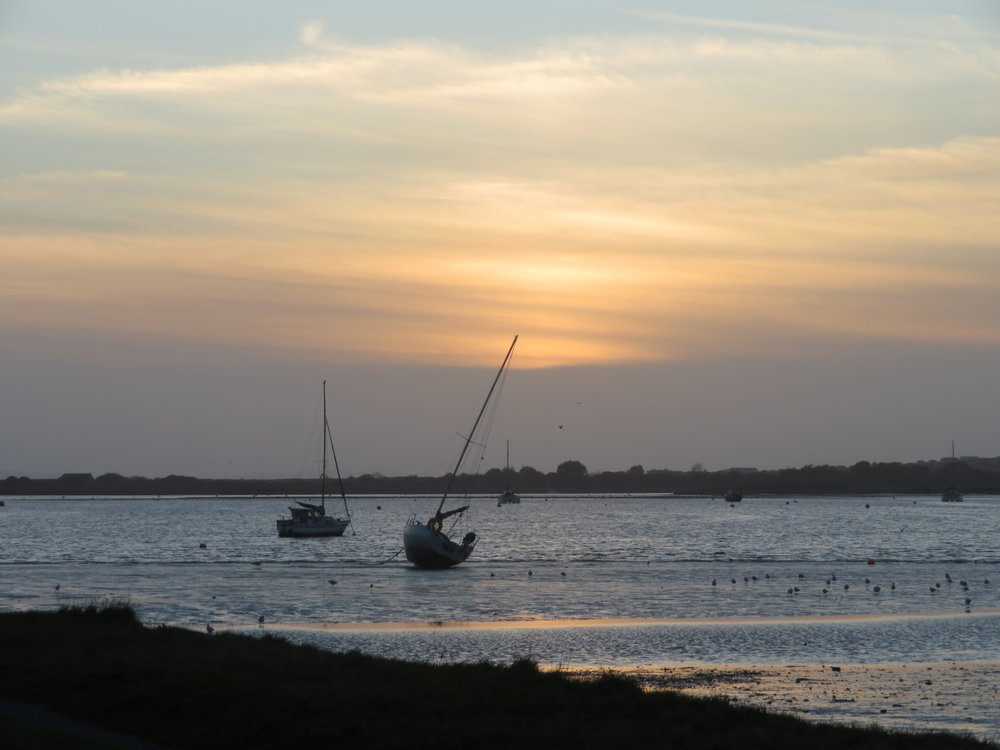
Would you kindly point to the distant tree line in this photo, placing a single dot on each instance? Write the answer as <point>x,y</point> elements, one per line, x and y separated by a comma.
<point>979,475</point>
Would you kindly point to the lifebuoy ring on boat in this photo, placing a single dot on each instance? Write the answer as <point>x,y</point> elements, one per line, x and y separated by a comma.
<point>434,524</point>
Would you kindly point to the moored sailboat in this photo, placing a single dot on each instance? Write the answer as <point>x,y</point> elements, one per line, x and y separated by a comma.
<point>310,519</point>
<point>428,545</point>
<point>952,495</point>
<point>508,496</point>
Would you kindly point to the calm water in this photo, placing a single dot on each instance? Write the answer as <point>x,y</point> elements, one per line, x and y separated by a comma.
<point>649,562</point>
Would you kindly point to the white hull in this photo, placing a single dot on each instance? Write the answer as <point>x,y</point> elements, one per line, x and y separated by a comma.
<point>426,548</point>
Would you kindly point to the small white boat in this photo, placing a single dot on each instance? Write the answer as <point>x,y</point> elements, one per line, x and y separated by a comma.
<point>429,545</point>
<point>508,496</point>
<point>310,519</point>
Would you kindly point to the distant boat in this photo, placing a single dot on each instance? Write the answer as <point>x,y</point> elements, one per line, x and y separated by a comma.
<point>733,496</point>
<point>310,519</point>
<point>952,495</point>
<point>508,497</point>
<point>428,545</point>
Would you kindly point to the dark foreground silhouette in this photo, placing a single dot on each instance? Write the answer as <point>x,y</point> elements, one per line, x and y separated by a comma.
<point>181,689</point>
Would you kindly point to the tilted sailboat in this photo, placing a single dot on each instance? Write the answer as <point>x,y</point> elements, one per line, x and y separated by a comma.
<point>428,545</point>
<point>508,496</point>
<point>310,519</point>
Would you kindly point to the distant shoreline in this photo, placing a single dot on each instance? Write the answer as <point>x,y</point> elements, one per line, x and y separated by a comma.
<point>973,475</point>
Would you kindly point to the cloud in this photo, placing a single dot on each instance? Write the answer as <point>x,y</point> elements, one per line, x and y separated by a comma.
<point>311,33</point>
<point>642,198</point>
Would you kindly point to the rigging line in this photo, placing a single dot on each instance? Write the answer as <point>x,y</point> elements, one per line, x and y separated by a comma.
<point>388,559</point>
<point>340,479</point>
<point>465,448</point>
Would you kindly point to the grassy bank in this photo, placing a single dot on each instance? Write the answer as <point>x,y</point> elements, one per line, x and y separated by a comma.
<point>183,689</point>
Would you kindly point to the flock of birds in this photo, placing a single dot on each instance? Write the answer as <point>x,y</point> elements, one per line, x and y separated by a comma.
<point>828,585</point>
<point>877,588</point>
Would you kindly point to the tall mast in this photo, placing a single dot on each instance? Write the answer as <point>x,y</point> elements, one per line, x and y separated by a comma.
<point>322,476</point>
<point>507,472</point>
<point>454,474</point>
<point>954,467</point>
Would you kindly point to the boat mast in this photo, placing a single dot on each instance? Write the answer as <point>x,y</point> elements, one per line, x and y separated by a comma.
<point>954,467</point>
<point>507,472</point>
<point>322,476</point>
<point>340,479</point>
<point>468,440</point>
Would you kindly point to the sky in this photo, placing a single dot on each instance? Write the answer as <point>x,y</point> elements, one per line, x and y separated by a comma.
<point>730,234</point>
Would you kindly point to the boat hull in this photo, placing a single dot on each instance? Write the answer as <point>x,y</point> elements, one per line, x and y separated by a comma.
<point>509,498</point>
<point>430,549</point>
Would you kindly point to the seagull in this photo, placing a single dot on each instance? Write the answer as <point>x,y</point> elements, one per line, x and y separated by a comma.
<point>530,573</point>
<point>824,591</point>
<point>332,582</point>
<point>256,563</point>
<point>877,589</point>
<point>493,575</point>
<point>260,621</point>
<point>563,574</point>
<point>57,586</point>
<point>893,585</point>
<point>847,586</point>
<point>209,629</point>
<point>713,581</point>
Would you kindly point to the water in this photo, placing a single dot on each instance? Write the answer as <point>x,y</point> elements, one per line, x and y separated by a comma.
<point>603,581</point>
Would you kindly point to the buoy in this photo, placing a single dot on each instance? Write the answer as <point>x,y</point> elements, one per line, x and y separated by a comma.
<point>871,560</point>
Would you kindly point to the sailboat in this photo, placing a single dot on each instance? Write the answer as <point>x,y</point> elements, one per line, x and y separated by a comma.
<point>310,519</point>
<point>428,545</point>
<point>508,497</point>
<point>952,495</point>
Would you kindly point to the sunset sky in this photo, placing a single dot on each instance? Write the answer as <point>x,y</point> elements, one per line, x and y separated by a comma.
<point>741,234</point>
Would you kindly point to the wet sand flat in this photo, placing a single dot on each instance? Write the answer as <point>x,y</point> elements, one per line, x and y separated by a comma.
<point>953,697</point>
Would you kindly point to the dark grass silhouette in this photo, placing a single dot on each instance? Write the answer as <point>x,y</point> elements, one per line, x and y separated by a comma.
<point>183,689</point>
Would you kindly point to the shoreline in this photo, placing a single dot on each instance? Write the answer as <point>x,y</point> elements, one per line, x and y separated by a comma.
<point>962,697</point>
<point>168,686</point>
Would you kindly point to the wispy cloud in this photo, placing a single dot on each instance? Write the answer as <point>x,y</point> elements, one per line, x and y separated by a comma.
<point>645,197</point>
